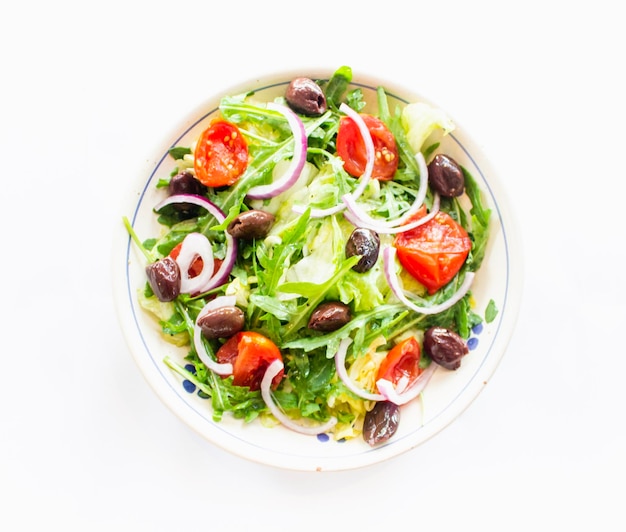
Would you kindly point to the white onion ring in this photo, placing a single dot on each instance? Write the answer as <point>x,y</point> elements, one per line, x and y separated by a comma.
<point>297,161</point>
<point>366,176</point>
<point>231,245</point>
<point>266,383</point>
<point>195,245</point>
<point>365,220</point>
<point>340,366</point>
<point>389,254</point>
<point>355,213</point>
<point>401,397</point>
<point>218,302</point>
<point>216,367</point>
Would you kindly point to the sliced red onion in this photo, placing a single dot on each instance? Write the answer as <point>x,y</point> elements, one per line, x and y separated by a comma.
<point>340,365</point>
<point>266,392</point>
<point>402,383</point>
<point>367,173</point>
<point>297,161</point>
<point>226,267</point>
<point>220,369</point>
<point>195,245</point>
<point>421,191</point>
<point>389,254</point>
<point>401,397</point>
<point>357,217</point>
<point>218,302</point>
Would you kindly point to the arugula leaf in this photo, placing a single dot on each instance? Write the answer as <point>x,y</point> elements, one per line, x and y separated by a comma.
<point>394,123</point>
<point>471,188</point>
<point>491,311</point>
<point>479,230</point>
<point>273,261</point>
<point>337,86</point>
<point>178,152</point>
<point>272,305</point>
<point>311,378</point>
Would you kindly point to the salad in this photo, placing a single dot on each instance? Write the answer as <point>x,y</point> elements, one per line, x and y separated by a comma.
<point>316,258</point>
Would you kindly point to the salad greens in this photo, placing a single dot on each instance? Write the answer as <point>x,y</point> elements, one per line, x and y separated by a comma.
<point>279,280</point>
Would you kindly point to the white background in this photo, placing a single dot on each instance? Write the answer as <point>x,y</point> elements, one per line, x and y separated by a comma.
<point>89,90</point>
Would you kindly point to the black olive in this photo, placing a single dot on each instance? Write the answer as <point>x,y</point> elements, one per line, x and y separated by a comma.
<point>446,176</point>
<point>445,347</point>
<point>186,183</point>
<point>330,316</point>
<point>164,278</point>
<point>251,224</point>
<point>306,97</point>
<point>381,423</point>
<point>365,243</point>
<point>222,322</point>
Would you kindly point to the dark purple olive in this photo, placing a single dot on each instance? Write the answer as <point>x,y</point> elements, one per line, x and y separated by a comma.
<point>446,176</point>
<point>365,243</point>
<point>164,278</point>
<point>381,423</point>
<point>251,224</point>
<point>306,97</point>
<point>445,347</point>
<point>186,183</point>
<point>330,316</point>
<point>222,322</point>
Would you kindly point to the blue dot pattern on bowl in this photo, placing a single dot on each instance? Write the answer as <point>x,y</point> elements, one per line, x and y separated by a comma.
<point>472,342</point>
<point>187,384</point>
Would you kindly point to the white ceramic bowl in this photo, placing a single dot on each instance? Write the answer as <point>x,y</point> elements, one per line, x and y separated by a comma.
<point>447,395</point>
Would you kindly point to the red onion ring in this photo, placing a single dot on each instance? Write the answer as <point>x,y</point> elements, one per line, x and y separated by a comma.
<point>389,254</point>
<point>195,245</point>
<point>357,217</point>
<point>272,370</point>
<point>297,161</point>
<point>393,394</point>
<point>366,176</point>
<point>226,267</point>
<point>340,366</point>
<point>216,367</point>
<point>363,219</point>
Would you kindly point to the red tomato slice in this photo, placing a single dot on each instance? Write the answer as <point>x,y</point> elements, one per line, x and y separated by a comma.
<point>403,360</point>
<point>221,154</point>
<point>250,353</point>
<point>351,148</point>
<point>433,252</point>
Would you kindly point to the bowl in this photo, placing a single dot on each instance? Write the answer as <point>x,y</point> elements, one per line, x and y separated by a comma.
<point>447,395</point>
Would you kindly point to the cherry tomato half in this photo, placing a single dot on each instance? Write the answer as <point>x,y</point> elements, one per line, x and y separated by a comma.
<point>433,252</point>
<point>250,353</point>
<point>402,361</point>
<point>221,154</point>
<point>351,148</point>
